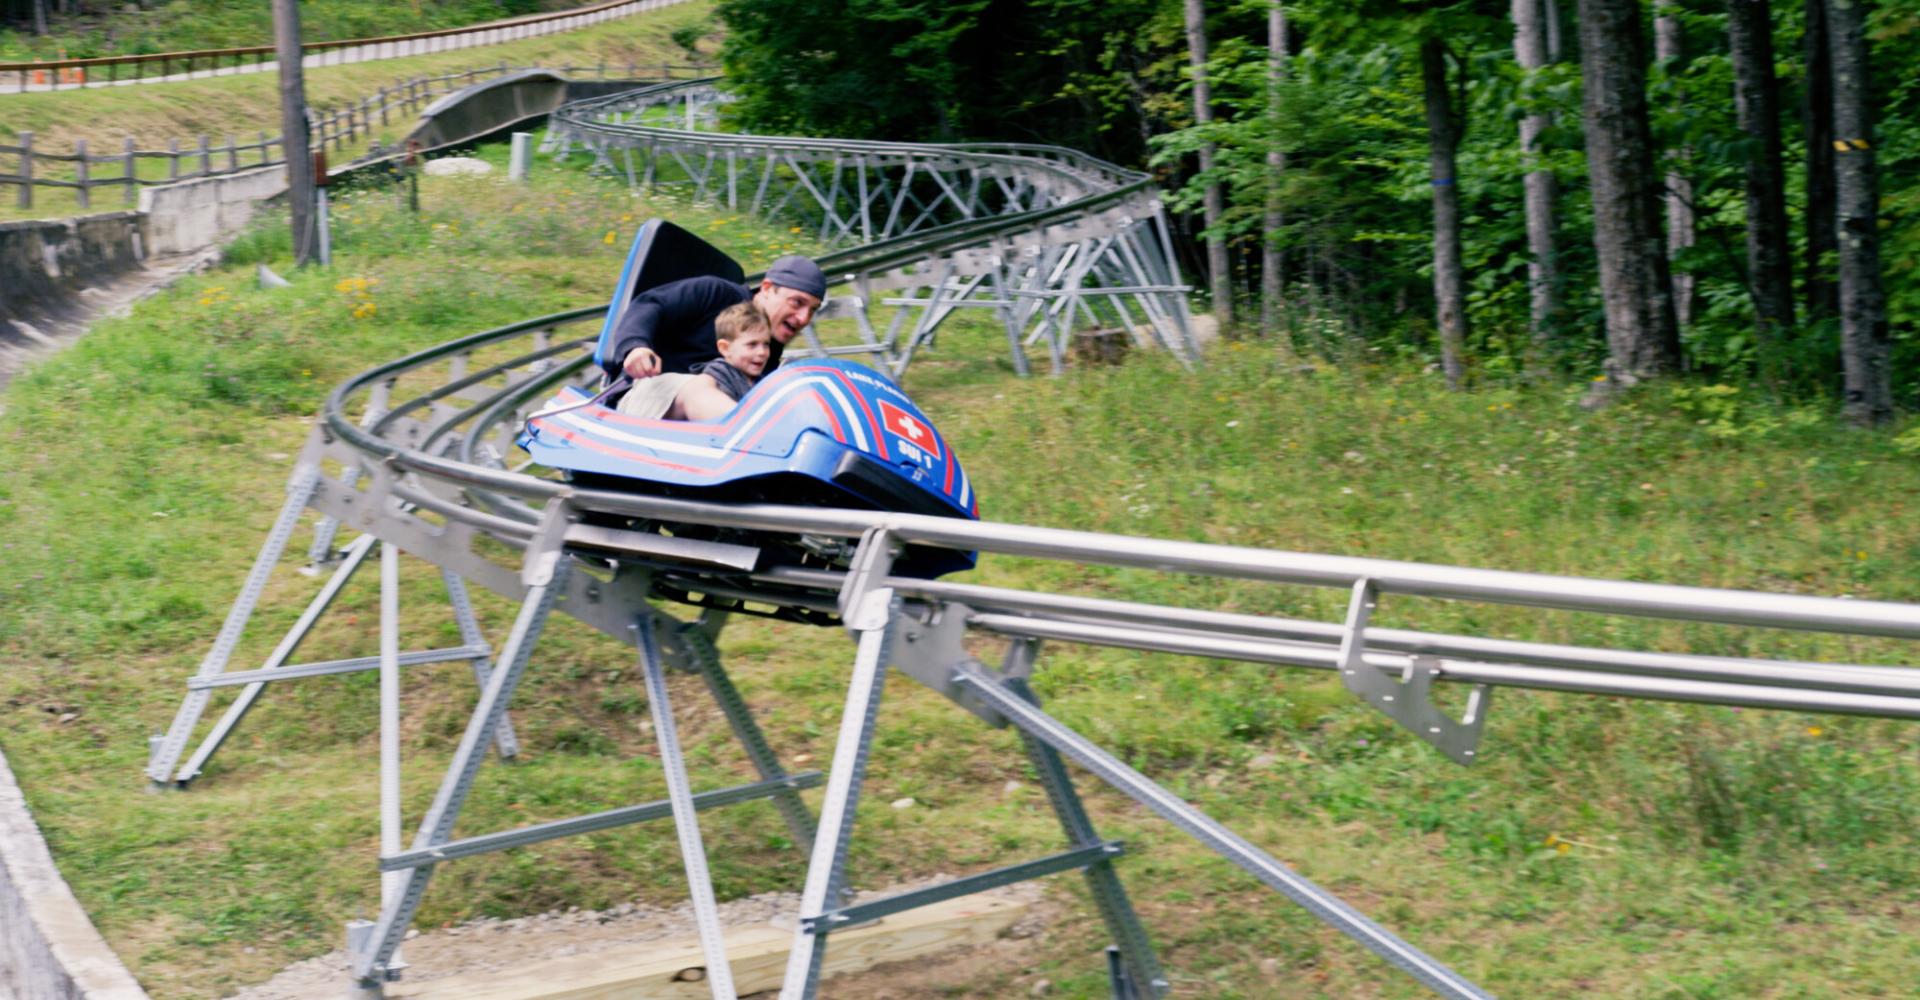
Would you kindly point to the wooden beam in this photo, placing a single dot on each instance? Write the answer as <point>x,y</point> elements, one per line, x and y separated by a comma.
<point>672,969</point>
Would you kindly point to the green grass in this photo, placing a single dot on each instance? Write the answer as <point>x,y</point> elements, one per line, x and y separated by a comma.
<point>190,25</point>
<point>243,106</point>
<point>1601,847</point>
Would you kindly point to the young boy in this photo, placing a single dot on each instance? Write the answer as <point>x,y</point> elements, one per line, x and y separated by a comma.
<point>744,336</point>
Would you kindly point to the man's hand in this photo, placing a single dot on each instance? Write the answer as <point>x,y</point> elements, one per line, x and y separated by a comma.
<point>641,362</point>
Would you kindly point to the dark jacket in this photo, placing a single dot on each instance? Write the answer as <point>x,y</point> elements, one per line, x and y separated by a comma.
<point>676,321</point>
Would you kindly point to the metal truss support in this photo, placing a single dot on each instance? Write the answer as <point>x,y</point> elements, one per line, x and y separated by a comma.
<point>1139,971</point>
<point>504,740</point>
<point>686,820</point>
<point>372,946</point>
<point>1326,907</point>
<point>697,639</point>
<point>925,212</point>
<point>165,751</point>
<point>473,649</point>
<point>871,615</point>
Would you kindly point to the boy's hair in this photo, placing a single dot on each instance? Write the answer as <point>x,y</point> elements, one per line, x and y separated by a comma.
<point>738,319</point>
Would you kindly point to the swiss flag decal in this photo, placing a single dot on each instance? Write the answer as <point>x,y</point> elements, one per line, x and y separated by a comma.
<point>905,425</point>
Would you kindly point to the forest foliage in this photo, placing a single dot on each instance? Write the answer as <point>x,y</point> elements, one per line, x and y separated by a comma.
<point>1348,112</point>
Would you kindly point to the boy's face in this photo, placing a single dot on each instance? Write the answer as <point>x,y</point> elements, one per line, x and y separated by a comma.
<point>748,351</point>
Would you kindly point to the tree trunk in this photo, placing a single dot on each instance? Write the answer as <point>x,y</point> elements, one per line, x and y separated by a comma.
<point>1215,201</point>
<point>1863,303</point>
<point>1273,288</point>
<point>293,131</point>
<point>1756,103</point>
<point>1642,341</point>
<point>1822,294</point>
<point>1530,50</point>
<point>1679,191</point>
<point>1449,279</point>
<point>40,17</point>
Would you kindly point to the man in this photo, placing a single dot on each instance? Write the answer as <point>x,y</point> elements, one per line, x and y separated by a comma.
<point>669,328</point>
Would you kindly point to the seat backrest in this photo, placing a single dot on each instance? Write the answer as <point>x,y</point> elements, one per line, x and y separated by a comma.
<point>661,252</point>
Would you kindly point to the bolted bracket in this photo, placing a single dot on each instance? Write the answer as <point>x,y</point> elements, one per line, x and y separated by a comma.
<point>929,649</point>
<point>872,561</point>
<point>1408,698</point>
<point>548,545</point>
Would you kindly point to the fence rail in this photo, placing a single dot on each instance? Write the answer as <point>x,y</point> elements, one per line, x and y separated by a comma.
<point>203,156</point>
<point>108,71</point>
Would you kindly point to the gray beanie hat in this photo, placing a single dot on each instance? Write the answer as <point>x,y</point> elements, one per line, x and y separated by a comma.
<point>799,274</point>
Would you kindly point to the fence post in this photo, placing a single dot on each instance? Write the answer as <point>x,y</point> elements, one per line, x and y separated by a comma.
<point>26,169</point>
<point>173,159</point>
<point>206,157</point>
<point>233,155</point>
<point>383,105</point>
<point>126,157</point>
<point>80,171</point>
<point>263,148</point>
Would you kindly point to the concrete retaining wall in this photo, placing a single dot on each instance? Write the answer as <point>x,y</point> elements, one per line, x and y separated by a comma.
<point>45,263</point>
<point>193,214</point>
<point>49,950</point>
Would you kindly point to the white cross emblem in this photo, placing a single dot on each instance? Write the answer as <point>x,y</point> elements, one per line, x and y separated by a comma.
<point>911,426</point>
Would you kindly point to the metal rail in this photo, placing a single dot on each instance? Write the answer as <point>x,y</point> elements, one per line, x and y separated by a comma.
<point>424,444</point>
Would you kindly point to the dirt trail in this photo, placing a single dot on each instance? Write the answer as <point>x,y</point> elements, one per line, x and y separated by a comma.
<point>491,945</point>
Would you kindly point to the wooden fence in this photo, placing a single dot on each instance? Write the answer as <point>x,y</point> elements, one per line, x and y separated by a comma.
<point>116,70</point>
<point>340,126</point>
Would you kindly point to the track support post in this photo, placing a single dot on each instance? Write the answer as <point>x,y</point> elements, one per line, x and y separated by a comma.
<point>1131,958</point>
<point>544,572</point>
<point>871,613</point>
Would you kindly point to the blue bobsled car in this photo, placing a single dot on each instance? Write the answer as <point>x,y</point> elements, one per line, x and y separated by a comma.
<point>813,432</point>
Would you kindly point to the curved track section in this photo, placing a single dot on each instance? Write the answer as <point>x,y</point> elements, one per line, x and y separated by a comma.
<point>1050,240</point>
<point>416,455</point>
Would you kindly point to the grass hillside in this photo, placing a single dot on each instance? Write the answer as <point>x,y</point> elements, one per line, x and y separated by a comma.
<point>186,25</point>
<point>1602,847</point>
<point>246,106</point>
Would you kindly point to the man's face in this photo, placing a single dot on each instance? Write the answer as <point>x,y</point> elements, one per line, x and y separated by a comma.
<point>748,352</point>
<point>790,310</point>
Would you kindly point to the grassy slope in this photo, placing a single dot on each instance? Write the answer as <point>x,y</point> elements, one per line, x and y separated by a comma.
<point>242,106</point>
<point>185,25</point>
<point>1601,847</point>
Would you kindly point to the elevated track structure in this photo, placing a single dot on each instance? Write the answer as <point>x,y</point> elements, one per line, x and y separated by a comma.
<point>416,456</point>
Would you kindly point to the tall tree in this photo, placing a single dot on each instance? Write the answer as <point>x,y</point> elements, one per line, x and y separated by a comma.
<point>1864,342</point>
<point>1531,51</point>
<point>1668,51</point>
<point>1214,208</point>
<point>1756,103</point>
<point>1273,288</point>
<point>1443,141</point>
<point>40,17</point>
<point>1816,112</point>
<point>1642,340</point>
